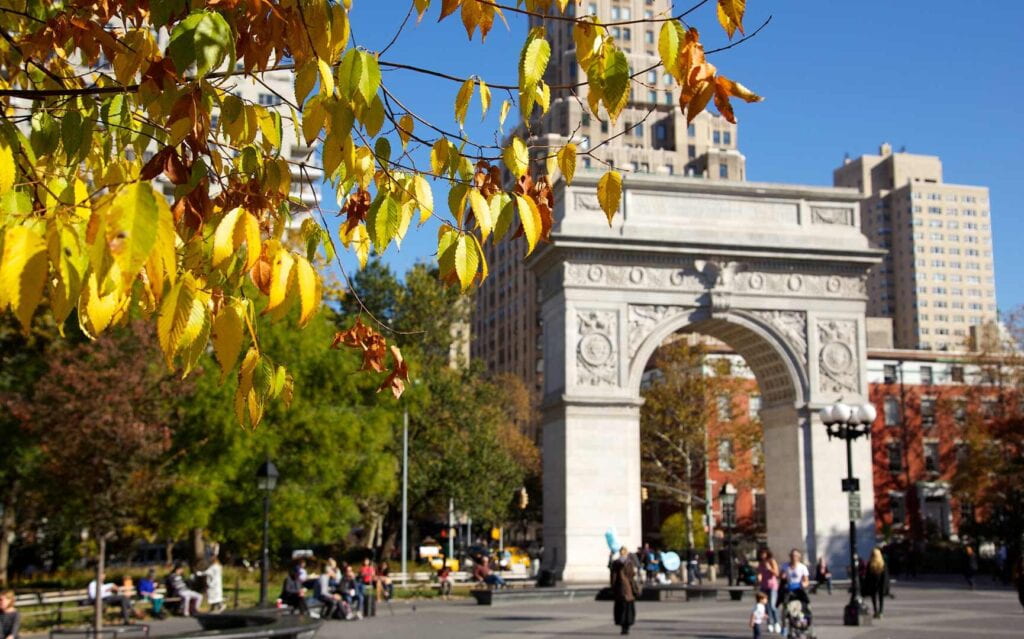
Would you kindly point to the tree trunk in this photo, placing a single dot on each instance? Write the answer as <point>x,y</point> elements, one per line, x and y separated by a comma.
<point>689,504</point>
<point>198,545</point>
<point>6,531</point>
<point>169,551</point>
<point>97,603</point>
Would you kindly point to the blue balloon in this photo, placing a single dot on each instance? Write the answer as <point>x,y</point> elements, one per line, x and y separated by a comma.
<point>670,561</point>
<point>613,543</point>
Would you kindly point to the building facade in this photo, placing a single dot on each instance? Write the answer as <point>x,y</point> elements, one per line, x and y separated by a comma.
<point>651,136</point>
<point>938,280</point>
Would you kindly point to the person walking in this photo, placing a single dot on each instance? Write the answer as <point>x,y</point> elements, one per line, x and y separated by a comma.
<point>970,565</point>
<point>796,578</point>
<point>10,618</point>
<point>624,590</point>
<point>215,584</point>
<point>823,575</point>
<point>876,582</point>
<point>768,583</point>
<point>759,614</point>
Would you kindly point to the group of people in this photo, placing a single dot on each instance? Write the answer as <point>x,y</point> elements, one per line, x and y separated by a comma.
<point>341,591</point>
<point>186,597</point>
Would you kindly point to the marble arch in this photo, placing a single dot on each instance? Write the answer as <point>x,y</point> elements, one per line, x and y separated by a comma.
<point>776,271</point>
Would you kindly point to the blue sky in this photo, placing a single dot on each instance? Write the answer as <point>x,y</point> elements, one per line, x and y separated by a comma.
<point>936,76</point>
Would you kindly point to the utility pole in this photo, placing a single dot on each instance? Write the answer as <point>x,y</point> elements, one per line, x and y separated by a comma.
<point>405,497</point>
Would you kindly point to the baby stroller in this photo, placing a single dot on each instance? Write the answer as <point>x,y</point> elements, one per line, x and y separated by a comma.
<point>798,620</point>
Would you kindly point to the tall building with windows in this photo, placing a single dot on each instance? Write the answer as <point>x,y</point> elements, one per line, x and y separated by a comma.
<point>938,280</point>
<point>650,136</point>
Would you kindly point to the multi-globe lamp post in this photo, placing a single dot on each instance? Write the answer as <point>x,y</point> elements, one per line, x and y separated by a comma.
<point>728,499</point>
<point>850,423</point>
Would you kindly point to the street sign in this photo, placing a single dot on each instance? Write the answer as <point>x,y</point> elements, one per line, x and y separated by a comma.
<point>854,499</point>
<point>851,485</point>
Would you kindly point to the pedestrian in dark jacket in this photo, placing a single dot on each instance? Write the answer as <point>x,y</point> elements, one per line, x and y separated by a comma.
<point>624,590</point>
<point>970,566</point>
<point>876,582</point>
<point>293,594</point>
<point>10,618</point>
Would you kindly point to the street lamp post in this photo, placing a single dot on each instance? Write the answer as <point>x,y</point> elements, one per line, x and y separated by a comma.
<point>850,423</point>
<point>266,482</point>
<point>728,498</point>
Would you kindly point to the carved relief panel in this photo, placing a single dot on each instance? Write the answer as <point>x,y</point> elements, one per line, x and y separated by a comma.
<point>838,362</point>
<point>597,352</point>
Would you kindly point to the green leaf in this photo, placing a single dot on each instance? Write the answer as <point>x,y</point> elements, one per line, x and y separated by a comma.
<point>202,39</point>
<point>467,260</point>
<point>382,221</point>
<point>533,61</point>
<point>670,40</point>
<point>615,82</point>
<point>71,131</point>
<point>369,76</point>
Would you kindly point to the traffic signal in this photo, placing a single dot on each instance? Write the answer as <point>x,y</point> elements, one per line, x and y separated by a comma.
<point>643,493</point>
<point>524,498</point>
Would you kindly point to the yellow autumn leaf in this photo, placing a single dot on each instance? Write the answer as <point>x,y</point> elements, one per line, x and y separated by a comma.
<point>309,289</point>
<point>506,105</point>
<point>405,128</point>
<point>180,318</point>
<point>467,261</point>
<point>98,310</point>
<point>485,98</point>
<point>280,278</point>
<point>517,157</point>
<point>236,228</point>
<point>529,218</point>
<point>358,240</point>
<point>23,271</point>
<point>567,162</point>
<point>730,15</point>
<point>462,100</point>
<point>7,167</point>
<point>609,193</point>
<point>424,197</point>
<point>228,335</point>
<point>482,213</point>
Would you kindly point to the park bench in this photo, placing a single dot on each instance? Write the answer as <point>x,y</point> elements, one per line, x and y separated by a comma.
<point>61,602</point>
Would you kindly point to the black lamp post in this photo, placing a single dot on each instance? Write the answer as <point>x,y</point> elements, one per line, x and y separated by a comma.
<point>728,497</point>
<point>266,482</point>
<point>850,423</point>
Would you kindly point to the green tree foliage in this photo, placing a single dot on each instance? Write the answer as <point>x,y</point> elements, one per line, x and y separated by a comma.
<point>675,531</point>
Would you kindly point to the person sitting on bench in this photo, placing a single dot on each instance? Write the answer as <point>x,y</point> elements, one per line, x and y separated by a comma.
<point>110,596</point>
<point>176,587</point>
<point>293,594</point>
<point>482,573</point>
<point>324,593</point>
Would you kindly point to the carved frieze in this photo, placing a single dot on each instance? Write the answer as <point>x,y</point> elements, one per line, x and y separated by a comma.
<point>792,325</point>
<point>719,276</point>
<point>837,356</point>
<point>642,320</point>
<point>841,216</point>
<point>596,349</point>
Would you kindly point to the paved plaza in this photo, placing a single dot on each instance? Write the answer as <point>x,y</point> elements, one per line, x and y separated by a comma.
<point>937,610</point>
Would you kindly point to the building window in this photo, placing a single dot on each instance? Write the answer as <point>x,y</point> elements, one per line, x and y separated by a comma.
<point>895,452</point>
<point>889,373</point>
<point>757,454</point>
<point>760,510</point>
<point>724,405</point>
<point>754,406</point>
<point>725,454</point>
<point>723,170</point>
<point>956,373</point>
<point>928,411</point>
<point>691,130</point>
<point>926,375</point>
<point>716,137</point>
<point>691,151</point>
<point>960,411</point>
<point>931,457</point>
<point>891,409</point>
<point>989,407</point>
<point>898,508</point>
